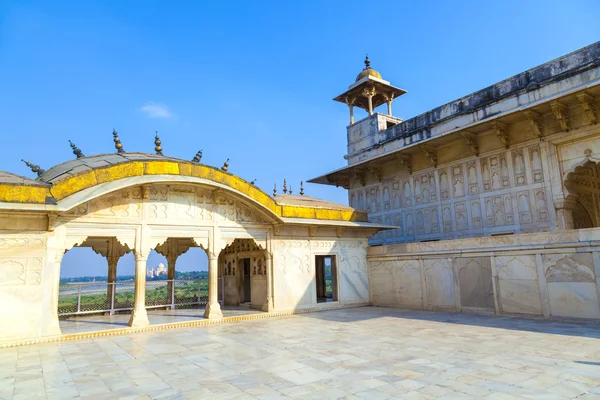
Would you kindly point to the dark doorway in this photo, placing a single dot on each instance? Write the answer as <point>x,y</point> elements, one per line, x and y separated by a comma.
<point>326,279</point>
<point>247,284</point>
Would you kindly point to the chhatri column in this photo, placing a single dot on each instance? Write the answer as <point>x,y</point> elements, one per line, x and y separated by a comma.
<point>268,306</point>
<point>389,104</point>
<point>139,317</point>
<point>213,308</point>
<point>351,107</point>
<point>369,93</point>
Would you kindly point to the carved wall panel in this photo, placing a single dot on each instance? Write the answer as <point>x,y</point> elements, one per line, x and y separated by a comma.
<point>21,260</point>
<point>472,178</point>
<point>425,191</point>
<point>519,167</point>
<point>535,158</point>
<point>382,284</point>
<point>407,281</point>
<point>439,280</point>
<point>578,267</point>
<point>475,280</point>
<point>518,285</point>
<point>513,199</point>
<point>494,172</point>
<point>498,210</point>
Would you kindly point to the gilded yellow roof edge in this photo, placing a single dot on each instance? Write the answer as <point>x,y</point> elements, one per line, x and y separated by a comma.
<point>74,183</point>
<point>20,193</point>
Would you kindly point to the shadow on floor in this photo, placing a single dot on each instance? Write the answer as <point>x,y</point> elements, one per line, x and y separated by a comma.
<point>589,329</point>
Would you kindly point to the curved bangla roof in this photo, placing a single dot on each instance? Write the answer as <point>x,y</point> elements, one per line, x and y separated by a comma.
<point>75,176</point>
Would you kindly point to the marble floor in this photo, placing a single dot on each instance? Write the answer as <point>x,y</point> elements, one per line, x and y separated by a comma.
<point>361,353</point>
<point>89,323</point>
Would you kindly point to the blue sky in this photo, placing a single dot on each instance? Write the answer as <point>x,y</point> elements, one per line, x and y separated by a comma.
<point>250,81</point>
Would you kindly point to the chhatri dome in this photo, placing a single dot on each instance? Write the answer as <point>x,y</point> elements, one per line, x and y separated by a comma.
<point>369,91</point>
<point>368,71</point>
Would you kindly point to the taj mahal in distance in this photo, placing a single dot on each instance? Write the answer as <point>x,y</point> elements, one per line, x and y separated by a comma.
<point>489,204</point>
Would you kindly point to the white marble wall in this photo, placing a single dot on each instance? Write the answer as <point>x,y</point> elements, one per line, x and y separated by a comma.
<point>294,270</point>
<point>21,292</point>
<point>543,274</point>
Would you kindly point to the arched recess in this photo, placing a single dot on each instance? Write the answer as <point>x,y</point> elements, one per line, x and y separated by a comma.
<point>243,265</point>
<point>582,183</point>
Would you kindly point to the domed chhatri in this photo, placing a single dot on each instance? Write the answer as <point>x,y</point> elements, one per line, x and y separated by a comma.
<point>369,91</point>
<point>368,71</point>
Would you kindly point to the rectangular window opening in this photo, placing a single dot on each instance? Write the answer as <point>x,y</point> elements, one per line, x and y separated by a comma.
<point>326,279</point>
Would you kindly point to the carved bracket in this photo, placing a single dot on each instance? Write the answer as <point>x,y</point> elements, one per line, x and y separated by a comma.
<point>502,133</point>
<point>51,221</point>
<point>312,230</point>
<point>535,120</point>
<point>587,102</point>
<point>342,181</point>
<point>431,154</point>
<point>561,113</point>
<point>360,177</point>
<point>339,231</point>
<point>405,161</point>
<point>471,142</point>
<point>376,170</point>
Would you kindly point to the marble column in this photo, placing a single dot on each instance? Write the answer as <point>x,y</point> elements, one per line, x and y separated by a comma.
<point>351,107</point>
<point>389,106</point>
<point>171,260</point>
<point>139,317</point>
<point>564,213</point>
<point>213,308</point>
<point>268,306</point>
<point>112,278</point>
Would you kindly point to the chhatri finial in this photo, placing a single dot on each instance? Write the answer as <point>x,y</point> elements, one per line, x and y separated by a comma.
<point>225,166</point>
<point>275,190</point>
<point>197,157</point>
<point>290,189</point>
<point>34,168</point>
<point>76,150</point>
<point>284,186</point>
<point>157,146</point>
<point>253,182</point>
<point>117,141</point>
<point>301,189</point>
<point>367,62</point>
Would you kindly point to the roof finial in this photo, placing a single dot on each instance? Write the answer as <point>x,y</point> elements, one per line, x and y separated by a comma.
<point>284,186</point>
<point>34,168</point>
<point>367,62</point>
<point>253,182</point>
<point>76,150</point>
<point>197,157</point>
<point>117,141</point>
<point>301,189</point>
<point>290,189</point>
<point>158,147</point>
<point>225,166</point>
<point>275,190</point>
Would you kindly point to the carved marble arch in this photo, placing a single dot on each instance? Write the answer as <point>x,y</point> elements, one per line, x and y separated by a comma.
<point>584,174</point>
<point>124,198</point>
<point>582,182</point>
